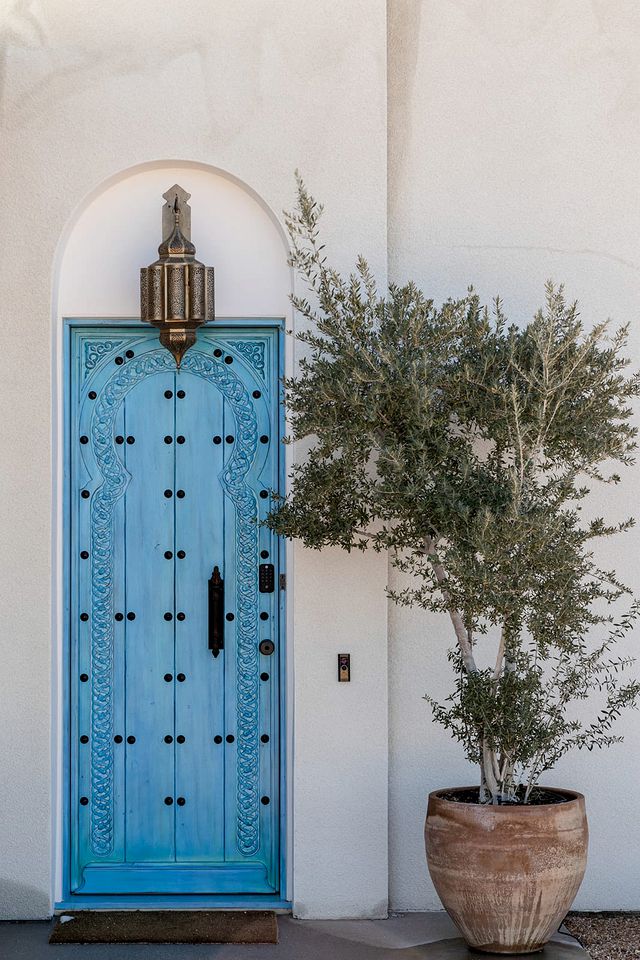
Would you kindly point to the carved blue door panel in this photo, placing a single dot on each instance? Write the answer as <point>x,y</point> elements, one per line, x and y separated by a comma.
<point>174,753</point>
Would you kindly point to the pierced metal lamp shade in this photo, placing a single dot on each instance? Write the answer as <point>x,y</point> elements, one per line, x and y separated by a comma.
<point>177,291</point>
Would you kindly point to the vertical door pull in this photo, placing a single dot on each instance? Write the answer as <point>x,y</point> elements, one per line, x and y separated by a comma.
<point>216,612</point>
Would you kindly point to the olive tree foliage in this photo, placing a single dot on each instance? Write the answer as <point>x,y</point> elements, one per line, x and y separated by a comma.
<point>465,446</point>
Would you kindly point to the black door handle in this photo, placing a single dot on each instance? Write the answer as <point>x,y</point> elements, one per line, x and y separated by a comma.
<point>216,612</point>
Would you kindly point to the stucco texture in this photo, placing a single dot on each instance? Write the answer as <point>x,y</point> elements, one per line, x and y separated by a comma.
<point>257,89</point>
<point>511,156</point>
<point>513,141</point>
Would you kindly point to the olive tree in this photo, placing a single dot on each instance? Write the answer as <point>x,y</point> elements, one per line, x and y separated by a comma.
<point>466,447</point>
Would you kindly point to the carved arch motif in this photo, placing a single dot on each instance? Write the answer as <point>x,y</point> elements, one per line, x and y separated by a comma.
<point>252,351</point>
<point>113,486</point>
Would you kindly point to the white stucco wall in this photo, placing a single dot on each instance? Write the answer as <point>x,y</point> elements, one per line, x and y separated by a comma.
<point>254,89</point>
<point>513,141</point>
<point>513,138</point>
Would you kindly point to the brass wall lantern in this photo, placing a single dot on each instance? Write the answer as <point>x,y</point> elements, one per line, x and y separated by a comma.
<point>177,291</point>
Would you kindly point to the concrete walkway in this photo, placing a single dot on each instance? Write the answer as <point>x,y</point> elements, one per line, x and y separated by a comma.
<point>412,936</point>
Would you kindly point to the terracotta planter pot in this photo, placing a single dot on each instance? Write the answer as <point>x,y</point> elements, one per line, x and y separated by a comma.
<point>506,875</point>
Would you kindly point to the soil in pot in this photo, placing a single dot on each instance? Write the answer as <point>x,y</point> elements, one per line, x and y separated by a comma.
<point>538,796</point>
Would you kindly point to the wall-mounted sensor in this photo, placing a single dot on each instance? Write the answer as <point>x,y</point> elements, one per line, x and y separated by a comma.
<point>344,667</point>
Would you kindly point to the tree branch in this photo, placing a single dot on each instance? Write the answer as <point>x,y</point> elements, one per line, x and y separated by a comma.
<point>462,636</point>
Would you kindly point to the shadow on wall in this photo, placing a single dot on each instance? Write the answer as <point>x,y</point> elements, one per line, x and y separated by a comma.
<point>21,901</point>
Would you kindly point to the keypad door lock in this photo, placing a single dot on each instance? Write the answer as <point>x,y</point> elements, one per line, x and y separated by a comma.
<point>266,578</point>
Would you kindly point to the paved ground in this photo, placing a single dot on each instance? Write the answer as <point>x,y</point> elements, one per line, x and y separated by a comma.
<point>413,936</point>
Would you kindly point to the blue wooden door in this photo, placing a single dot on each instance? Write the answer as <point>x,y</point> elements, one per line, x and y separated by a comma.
<point>174,753</point>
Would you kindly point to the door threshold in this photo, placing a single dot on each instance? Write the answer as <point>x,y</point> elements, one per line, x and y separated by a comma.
<point>174,903</point>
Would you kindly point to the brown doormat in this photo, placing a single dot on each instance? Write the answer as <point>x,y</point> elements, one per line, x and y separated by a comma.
<point>167,926</point>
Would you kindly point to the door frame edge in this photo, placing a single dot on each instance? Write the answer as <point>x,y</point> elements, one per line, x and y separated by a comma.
<point>61,897</point>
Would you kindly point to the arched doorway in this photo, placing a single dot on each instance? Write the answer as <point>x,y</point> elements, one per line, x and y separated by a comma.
<point>168,475</point>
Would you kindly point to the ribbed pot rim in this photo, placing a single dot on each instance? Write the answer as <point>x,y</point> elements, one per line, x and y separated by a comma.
<point>571,797</point>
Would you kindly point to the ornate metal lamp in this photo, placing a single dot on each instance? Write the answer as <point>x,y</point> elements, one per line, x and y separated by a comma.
<point>177,291</point>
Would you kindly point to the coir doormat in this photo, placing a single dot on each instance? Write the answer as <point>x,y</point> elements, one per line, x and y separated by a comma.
<point>166,926</point>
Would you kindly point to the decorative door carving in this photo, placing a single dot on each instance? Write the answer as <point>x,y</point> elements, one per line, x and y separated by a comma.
<point>174,753</point>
